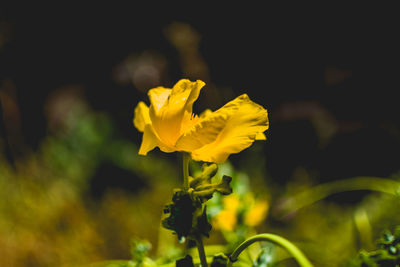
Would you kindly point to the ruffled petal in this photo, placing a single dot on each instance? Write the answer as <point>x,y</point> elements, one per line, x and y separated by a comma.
<point>172,109</point>
<point>141,117</point>
<point>261,136</point>
<point>203,133</point>
<point>229,130</point>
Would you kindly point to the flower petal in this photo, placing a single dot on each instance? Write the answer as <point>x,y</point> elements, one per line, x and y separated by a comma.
<point>158,98</point>
<point>203,133</point>
<point>230,129</point>
<point>261,136</point>
<point>183,95</point>
<point>149,141</point>
<point>141,117</point>
<point>172,109</point>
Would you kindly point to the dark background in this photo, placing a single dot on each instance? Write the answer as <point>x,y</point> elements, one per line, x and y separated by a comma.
<point>278,57</point>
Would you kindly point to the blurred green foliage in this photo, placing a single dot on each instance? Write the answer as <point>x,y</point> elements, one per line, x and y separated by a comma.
<point>52,214</point>
<point>387,253</point>
<point>48,215</point>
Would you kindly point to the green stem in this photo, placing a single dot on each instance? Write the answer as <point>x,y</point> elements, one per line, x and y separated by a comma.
<point>199,240</point>
<point>307,197</point>
<point>185,166</point>
<point>202,254</point>
<point>292,249</point>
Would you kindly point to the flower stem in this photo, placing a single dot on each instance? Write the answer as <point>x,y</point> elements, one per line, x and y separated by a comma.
<point>291,204</point>
<point>185,166</point>
<point>292,249</point>
<point>202,254</point>
<point>186,186</point>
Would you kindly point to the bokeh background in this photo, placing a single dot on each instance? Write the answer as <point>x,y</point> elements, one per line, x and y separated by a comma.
<point>73,189</point>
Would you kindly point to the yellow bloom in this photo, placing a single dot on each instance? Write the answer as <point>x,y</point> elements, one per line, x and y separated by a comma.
<point>256,214</point>
<point>226,220</point>
<point>170,124</point>
<point>231,202</point>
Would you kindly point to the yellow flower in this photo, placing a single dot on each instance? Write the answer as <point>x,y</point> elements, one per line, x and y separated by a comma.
<point>226,220</point>
<point>256,214</point>
<point>170,124</point>
<point>231,202</point>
